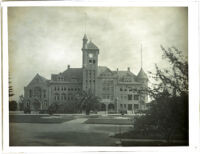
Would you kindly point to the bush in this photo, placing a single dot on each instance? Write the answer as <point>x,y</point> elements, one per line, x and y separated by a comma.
<point>52,108</point>
<point>27,110</point>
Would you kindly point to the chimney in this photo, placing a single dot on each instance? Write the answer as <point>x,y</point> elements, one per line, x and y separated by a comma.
<point>68,66</point>
<point>129,69</point>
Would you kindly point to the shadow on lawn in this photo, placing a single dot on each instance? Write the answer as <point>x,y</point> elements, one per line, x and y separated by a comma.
<point>75,139</point>
<point>38,119</point>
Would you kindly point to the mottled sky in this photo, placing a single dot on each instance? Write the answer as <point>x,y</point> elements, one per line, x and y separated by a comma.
<point>45,40</point>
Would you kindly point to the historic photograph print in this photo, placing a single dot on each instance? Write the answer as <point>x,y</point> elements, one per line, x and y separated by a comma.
<point>98,76</point>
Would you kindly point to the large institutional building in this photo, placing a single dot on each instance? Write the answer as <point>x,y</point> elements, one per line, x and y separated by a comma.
<point>117,90</point>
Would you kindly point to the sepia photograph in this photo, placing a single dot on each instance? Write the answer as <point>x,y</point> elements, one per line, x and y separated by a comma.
<point>98,76</point>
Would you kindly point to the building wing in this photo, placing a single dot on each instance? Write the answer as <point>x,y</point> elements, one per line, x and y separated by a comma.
<point>38,80</point>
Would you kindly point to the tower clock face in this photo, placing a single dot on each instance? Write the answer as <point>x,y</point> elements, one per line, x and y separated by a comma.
<point>90,55</point>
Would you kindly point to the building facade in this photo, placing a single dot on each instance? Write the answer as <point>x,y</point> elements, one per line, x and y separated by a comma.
<point>117,90</point>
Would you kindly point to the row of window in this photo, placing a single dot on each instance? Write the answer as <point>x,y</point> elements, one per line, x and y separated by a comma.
<point>37,92</point>
<point>130,106</point>
<point>90,81</point>
<point>60,78</point>
<point>108,88</point>
<point>125,80</point>
<point>92,61</point>
<point>62,97</point>
<point>106,96</point>
<point>65,89</point>
<point>128,89</point>
<point>130,97</point>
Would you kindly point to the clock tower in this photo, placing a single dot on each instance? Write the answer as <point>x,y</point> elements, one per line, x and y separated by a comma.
<point>90,65</point>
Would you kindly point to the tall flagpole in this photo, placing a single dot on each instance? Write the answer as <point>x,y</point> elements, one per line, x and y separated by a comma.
<point>85,22</point>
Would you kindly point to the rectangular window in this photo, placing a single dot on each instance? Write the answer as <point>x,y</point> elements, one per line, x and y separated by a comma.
<point>129,97</point>
<point>90,61</point>
<point>94,61</point>
<point>121,89</point>
<point>121,105</point>
<point>136,106</point>
<point>129,106</point>
<point>124,105</point>
<point>136,97</point>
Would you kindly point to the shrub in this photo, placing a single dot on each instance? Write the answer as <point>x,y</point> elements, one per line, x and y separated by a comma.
<point>12,105</point>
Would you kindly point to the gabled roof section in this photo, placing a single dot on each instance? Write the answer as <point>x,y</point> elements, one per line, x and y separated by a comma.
<point>38,79</point>
<point>102,69</point>
<point>142,74</point>
<point>91,45</point>
<point>124,73</point>
<point>73,74</point>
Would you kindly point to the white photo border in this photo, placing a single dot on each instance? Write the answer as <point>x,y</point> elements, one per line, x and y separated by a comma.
<point>193,59</point>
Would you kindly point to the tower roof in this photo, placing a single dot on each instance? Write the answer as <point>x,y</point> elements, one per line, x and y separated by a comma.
<point>142,74</point>
<point>85,37</point>
<point>91,45</point>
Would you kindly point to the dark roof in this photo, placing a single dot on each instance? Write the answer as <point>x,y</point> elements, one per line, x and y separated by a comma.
<point>91,45</point>
<point>142,74</point>
<point>42,78</point>
<point>124,73</point>
<point>85,37</point>
<point>73,74</point>
<point>38,79</point>
<point>101,69</point>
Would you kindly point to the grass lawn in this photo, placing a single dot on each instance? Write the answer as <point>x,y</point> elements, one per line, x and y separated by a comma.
<point>38,119</point>
<point>111,121</point>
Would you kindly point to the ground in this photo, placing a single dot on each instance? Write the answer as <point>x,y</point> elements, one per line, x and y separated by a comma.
<point>67,130</point>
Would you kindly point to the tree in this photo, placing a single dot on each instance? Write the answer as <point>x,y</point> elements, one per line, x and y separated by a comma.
<point>52,108</point>
<point>12,105</point>
<point>87,101</point>
<point>168,113</point>
<point>21,102</point>
<point>10,88</point>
